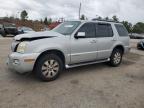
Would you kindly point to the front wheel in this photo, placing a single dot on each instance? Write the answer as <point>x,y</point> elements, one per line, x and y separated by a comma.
<point>116,57</point>
<point>48,67</point>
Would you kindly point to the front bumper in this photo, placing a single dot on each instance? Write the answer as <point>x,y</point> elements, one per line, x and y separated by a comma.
<point>22,63</point>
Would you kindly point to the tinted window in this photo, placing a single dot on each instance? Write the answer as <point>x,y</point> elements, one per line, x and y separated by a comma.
<point>89,29</point>
<point>121,30</point>
<point>104,30</point>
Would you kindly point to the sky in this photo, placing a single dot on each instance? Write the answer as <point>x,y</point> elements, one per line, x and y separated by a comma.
<point>131,10</point>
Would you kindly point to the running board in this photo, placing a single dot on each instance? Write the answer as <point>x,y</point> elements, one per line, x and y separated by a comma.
<point>87,63</point>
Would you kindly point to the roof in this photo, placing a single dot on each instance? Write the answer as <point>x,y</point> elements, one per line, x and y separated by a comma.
<point>96,20</point>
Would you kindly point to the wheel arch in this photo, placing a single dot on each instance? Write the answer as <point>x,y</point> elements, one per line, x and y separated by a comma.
<point>121,47</point>
<point>52,51</point>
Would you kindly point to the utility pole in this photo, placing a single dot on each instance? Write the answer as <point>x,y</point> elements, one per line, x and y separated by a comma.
<point>80,10</point>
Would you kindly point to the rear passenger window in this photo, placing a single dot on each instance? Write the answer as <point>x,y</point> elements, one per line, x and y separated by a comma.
<point>104,30</point>
<point>121,30</point>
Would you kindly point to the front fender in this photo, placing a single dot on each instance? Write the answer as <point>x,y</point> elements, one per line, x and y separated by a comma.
<point>42,48</point>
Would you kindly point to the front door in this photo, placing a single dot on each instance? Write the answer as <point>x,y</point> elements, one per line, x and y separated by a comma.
<point>84,49</point>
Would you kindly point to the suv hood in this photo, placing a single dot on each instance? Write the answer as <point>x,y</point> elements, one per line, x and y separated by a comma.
<point>37,35</point>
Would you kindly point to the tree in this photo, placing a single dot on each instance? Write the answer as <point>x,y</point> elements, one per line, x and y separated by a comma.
<point>106,18</point>
<point>115,18</point>
<point>49,21</point>
<point>138,28</point>
<point>46,21</point>
<point>41,21</point>
<point>24,15</point>
<point>128,26</point>
<point>99,18</point>
<point>82,17</point>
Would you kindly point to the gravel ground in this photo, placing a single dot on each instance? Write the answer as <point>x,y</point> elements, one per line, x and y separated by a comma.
<point>94,86</point>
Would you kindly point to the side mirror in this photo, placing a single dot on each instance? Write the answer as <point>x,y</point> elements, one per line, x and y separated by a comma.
<point>80,35</point>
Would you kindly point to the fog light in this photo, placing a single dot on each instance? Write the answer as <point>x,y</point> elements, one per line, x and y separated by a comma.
<point>16,61</point>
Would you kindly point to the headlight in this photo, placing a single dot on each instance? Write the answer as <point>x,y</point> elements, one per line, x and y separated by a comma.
<point>21,47</point>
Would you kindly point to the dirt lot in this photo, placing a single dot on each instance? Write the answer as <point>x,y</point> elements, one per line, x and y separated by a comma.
<point>94,86</point>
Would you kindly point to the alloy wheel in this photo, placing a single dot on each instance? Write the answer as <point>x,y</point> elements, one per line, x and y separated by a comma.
<point>50,68</point>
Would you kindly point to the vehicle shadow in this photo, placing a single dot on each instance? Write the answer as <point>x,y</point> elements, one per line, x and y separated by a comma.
<point>67,73</point>
<point>31,77</point>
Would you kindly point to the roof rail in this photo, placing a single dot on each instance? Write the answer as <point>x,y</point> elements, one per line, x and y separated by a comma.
<point>109,20</point>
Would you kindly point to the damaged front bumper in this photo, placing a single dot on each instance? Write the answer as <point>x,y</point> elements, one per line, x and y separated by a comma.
<point>22,63</point>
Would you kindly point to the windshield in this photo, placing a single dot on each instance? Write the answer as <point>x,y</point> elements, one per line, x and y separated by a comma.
<point>67,27</point>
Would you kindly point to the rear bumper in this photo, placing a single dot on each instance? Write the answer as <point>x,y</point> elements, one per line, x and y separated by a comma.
<point>22,63</point>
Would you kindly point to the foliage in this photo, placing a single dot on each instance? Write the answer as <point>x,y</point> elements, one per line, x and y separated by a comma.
<point>128,26</point>
<point>115,18</point>
<point>49,21</point>
<point>106,18</point>
<point>24,15</point>
<point>82,17</point>
<point>99,18</point>
<point>138,27</point>
<point>46,21</point>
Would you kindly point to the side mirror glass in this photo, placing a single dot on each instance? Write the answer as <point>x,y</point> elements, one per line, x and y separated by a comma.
<point>80,35</point>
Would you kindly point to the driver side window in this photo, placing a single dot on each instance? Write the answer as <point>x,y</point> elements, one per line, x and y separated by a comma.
<point>88,29</point>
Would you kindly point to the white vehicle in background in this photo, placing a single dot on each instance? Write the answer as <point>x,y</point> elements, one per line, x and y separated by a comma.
<point>136,36</point>
<point>24,29</point>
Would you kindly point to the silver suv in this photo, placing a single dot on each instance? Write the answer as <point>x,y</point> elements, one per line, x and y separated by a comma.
<point>71,44</point>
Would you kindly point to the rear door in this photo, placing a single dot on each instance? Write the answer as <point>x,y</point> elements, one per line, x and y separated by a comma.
<point>105,40</point>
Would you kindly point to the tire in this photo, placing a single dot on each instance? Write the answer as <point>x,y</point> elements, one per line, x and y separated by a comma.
<point>48,67</point>
<point>140,47</point>
<point>116,57</point>
<point>3,34</point>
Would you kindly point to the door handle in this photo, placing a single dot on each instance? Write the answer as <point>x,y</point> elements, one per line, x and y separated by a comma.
<point>114,40</point>
<point>93,41</point>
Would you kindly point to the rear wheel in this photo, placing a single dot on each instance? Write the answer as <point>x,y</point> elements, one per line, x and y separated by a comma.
<point>48,67</point>
<point>116,57</point>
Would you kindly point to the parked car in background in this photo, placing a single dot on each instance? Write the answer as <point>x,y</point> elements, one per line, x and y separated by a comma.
<point>8,29</point>
<point>24,29</point>
<point>136,36</point>
<point>1,30</point>
<point>71,44</point>
<point>140,45</point>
